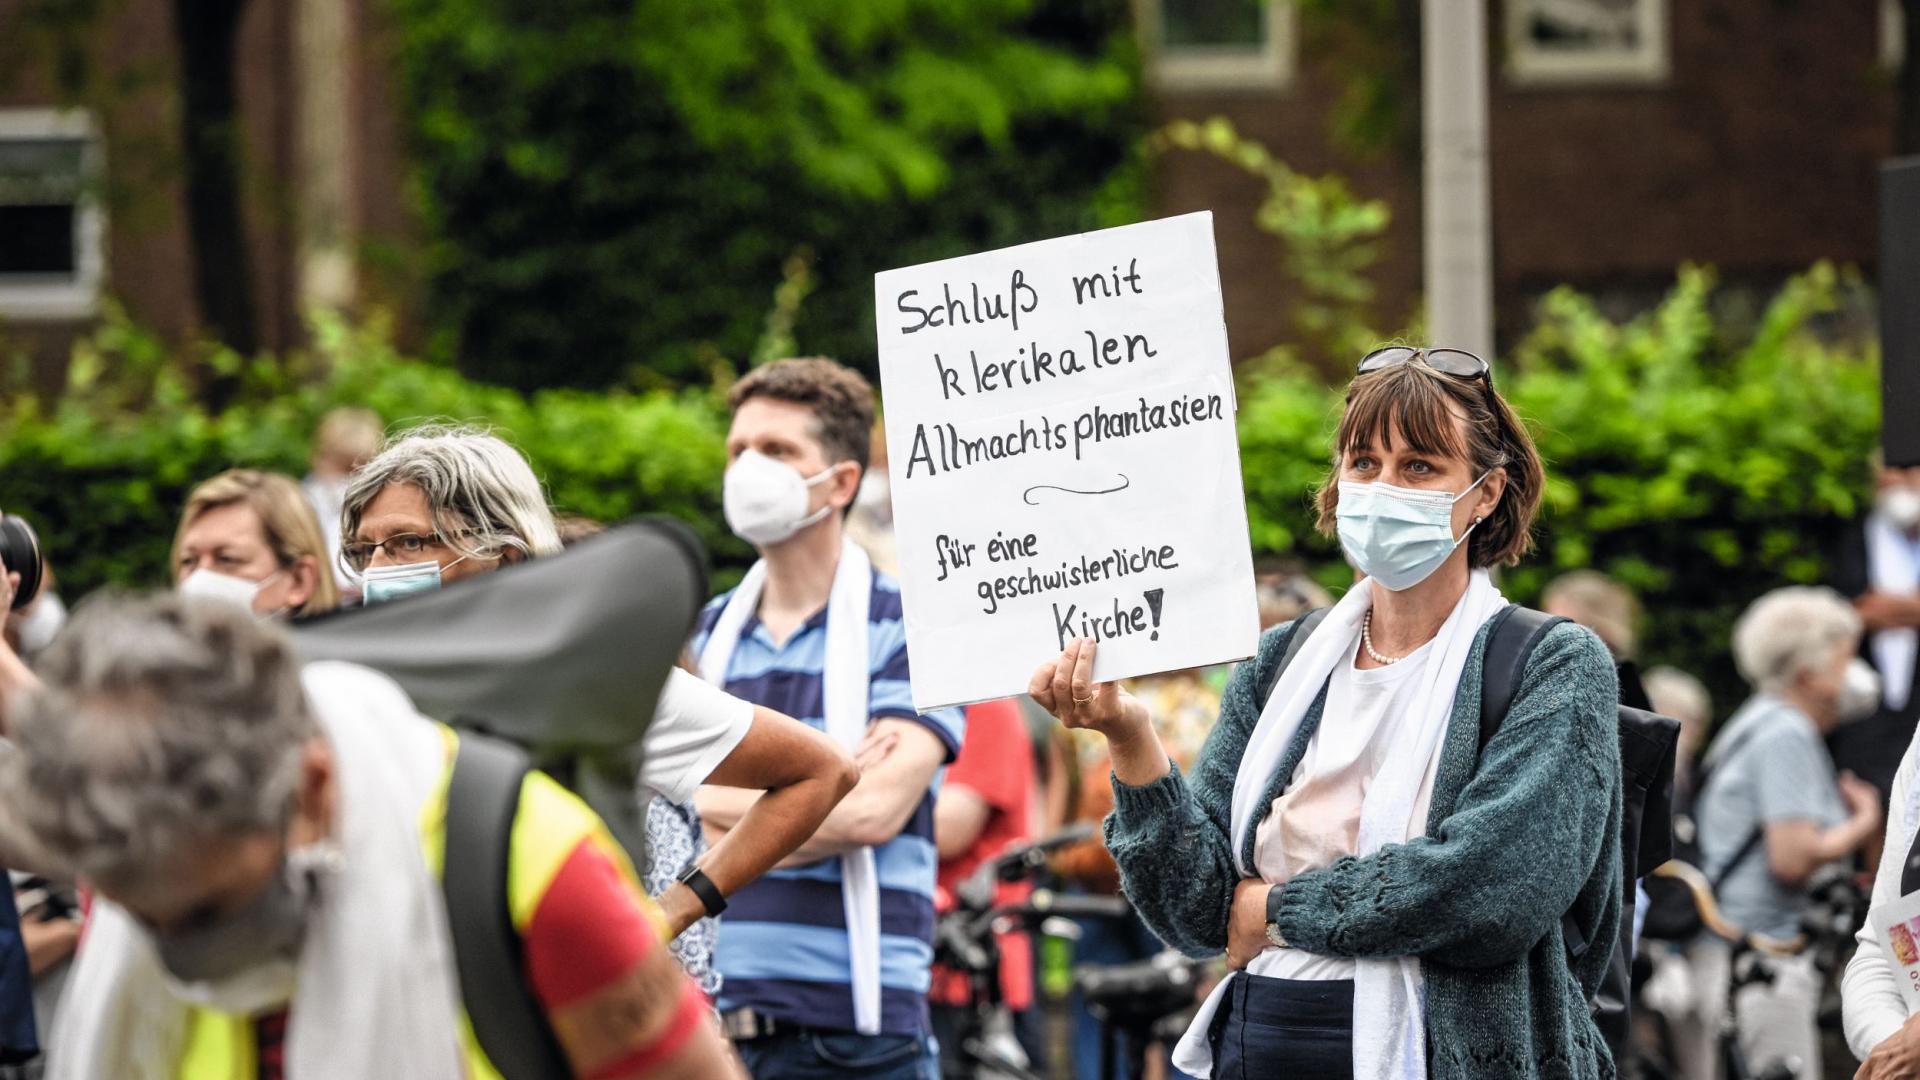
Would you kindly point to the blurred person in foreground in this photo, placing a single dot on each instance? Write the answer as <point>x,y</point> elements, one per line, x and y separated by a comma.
<point>249,537</point>
<point>264,854</point>
<point>825,960</point>
<point>1394,898</point>
<point>1772,810</point>
<point>346,439</point>
<point>445,503</point>
<point>986,805</point>
<point>36,943</point>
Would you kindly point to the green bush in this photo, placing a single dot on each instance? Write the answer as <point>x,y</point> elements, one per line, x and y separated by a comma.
<point>1698,466</point>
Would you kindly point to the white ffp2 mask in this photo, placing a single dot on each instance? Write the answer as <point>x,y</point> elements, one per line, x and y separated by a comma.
<point>766,500</point>
<point>212,585</point>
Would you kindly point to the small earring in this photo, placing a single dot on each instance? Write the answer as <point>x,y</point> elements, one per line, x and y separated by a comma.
<point>1478,520</point>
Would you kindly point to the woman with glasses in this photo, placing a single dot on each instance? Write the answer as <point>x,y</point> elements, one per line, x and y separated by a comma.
<point>440,504</point>
<point>1393,897</point>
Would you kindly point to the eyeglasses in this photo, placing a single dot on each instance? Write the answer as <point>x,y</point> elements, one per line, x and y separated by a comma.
<point>402,546</point>
<point>1456,362</point>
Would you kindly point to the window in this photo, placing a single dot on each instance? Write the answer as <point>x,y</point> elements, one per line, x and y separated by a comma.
<point>1218,44</point>
<point>52,229</point>
<point>1587,41</point>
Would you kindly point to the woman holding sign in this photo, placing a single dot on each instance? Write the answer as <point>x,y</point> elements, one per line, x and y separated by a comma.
<point>1395,899</point>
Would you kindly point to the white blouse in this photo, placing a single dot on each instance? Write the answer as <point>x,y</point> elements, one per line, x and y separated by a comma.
<point>1874,1006</point>
<point>1315,822</point>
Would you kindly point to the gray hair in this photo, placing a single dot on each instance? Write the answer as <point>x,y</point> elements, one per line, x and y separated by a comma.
<point>1789,631</point>
<point>162,721</point>
<point>481,492</point>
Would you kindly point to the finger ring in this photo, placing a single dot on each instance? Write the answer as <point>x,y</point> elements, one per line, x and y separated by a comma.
<point>1083,701</point>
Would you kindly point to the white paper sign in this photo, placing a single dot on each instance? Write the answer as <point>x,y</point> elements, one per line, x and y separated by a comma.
<point>1898,925</point>
<point>1060,437</point>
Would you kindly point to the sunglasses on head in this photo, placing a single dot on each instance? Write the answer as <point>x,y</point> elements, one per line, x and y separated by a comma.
<point>1457,362</point>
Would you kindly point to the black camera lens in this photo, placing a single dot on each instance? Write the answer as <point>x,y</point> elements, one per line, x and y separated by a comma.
<point>20,554</point>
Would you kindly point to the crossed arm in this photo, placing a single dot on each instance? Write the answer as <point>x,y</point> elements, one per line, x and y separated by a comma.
<point>797,775</point>
<point>873,813</point>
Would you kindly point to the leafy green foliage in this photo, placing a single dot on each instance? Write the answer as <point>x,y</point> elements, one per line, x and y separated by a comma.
<point>1328,234</point>
<point>611,187</point>
<point>103,470</point>
<point>1699,467</point>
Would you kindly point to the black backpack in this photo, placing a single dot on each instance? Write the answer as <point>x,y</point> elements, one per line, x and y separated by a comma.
<point>1647,744</point>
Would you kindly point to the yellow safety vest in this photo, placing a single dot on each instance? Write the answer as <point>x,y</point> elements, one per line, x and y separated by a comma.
<point>549,824</point>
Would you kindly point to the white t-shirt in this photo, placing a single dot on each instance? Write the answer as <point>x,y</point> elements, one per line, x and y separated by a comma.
<point>695,726</point>
<point>1315,822</point>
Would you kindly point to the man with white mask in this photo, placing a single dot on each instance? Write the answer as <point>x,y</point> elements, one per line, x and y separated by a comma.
<point>824,960</point>
<point>1878,568</point>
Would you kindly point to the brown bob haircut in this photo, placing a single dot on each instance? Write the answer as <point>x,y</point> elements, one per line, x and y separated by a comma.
<point>1423,406</point>
<point>840,397</point>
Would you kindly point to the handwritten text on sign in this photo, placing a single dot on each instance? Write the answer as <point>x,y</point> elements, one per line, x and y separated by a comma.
<point>1060,427</point>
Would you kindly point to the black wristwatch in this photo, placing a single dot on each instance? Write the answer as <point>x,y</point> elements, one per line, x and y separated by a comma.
<point>704,888</point>
<point>1273,913</point>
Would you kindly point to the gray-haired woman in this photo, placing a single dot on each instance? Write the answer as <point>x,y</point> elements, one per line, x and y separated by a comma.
<point>1773,811</point>
<point>1392,894</point>
<point>443,503</point>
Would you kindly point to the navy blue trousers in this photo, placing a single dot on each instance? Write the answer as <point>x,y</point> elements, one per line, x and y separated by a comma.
<point>1283,1028</point>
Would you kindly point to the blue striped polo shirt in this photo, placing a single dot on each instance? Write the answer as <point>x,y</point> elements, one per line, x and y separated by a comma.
<point>783,948</point>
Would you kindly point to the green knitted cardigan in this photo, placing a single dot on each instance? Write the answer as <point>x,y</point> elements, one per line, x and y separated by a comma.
<point>1518,836</point>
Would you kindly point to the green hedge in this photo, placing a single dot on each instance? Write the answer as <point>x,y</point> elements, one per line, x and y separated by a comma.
<point>103,471</point>
<point>1698,465</point>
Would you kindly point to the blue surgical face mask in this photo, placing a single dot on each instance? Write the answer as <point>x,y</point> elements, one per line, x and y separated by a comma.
<point>1398,536</point>
<point>384,583</point>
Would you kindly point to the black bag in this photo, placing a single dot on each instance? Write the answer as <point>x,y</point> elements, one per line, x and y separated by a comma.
<point>554,663</point>
<point>1647,743</point>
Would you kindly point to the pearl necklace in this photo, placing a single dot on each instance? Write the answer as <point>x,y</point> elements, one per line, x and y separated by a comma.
<point>1366,639</point>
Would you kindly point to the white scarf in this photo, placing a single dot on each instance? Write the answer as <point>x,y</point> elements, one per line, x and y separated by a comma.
<point>377,993</point>
<point>1891,569</point>
<point>849,668</point>
<point>1389,1021</point>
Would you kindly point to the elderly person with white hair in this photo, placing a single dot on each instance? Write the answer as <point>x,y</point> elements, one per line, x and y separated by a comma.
<point>443,503</point>
<point>264,843</point>
<point>1773,812</point>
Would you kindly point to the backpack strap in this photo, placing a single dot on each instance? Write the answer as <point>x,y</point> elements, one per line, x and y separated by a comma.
<point>1746,850</point>
<point>483,796</point>
<point>1308,624</point>
<point>1510,644</point>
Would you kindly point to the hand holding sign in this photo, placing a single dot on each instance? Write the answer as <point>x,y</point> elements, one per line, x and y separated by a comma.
<point>1064,686</point>
<point>1064,463</point>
